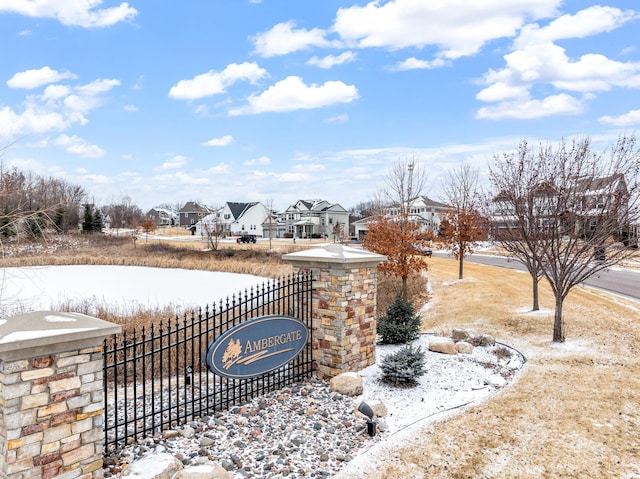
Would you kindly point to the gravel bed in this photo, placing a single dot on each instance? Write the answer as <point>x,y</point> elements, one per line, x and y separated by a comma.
<point>304,430</point>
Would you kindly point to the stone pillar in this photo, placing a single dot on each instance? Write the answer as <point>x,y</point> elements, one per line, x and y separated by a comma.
<point>344,306</point>
<point>51,395</point>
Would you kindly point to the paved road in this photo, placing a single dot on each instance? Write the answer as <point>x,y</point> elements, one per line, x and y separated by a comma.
<point>619,281</point>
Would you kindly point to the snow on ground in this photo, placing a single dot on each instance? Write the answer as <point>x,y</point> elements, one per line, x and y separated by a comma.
<point>122,288</point>
<point>450,384</point>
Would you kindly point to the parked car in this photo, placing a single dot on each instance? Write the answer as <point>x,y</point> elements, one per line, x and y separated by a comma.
<point>246,239</point>
<point>423,250</point>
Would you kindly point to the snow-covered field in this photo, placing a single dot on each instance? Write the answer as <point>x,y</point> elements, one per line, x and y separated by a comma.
<point>123,288</point>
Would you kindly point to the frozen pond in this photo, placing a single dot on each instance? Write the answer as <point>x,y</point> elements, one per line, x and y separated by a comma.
<point>122,288</point>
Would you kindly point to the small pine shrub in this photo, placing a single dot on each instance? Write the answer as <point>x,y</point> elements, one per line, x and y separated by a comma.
<point>401,324</point>
<point>404,366</point>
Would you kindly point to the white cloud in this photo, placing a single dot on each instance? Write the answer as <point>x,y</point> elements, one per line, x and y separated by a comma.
<point>78,146</point>
<point>309,168</point>
<point>33,120</point>
<point>537,60</point>
<point>294,177</point>
<point>293,94</point>
<point>30,79</point>
<point>416,64</point>
<point>284,38</point>
<point>219,169</point>
<point>222,141</point>
<point>174,163</point>
<point>81,13</point>
<point>213,83</point>
<point>457,27</point>
<point>337,119</point>
<point>584,23</point>
<point>331,60</point>
<point>628,119</point>
<point>180,178</point>
<point>131,108</point>
<point>262,161</point>
<point>561,104</point>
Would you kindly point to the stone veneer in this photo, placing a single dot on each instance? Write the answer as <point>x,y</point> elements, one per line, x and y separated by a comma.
<point>51,395</point>
<point>343,306</point>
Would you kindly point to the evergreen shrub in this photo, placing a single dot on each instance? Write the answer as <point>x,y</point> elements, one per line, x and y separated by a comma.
<point>404,366</point>
<point>401,324</point>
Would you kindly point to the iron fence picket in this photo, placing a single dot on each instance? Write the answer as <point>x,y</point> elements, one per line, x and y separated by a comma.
<point>156,378</point>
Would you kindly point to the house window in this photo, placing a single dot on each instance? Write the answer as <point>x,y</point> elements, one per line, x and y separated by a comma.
<point>227,216</point>
<point>330,221</point>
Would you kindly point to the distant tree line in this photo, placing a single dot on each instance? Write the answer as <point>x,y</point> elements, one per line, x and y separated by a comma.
<point>31,205</point>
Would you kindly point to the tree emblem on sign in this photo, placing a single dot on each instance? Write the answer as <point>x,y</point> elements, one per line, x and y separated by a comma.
<point>232,353</point>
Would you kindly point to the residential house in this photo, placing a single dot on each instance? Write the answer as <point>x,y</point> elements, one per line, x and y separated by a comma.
<point>313,218</point>
<point>236,219</point>
<point>423,210</point>
<point>162,217</point>
<point>575,209</point>
<point>191,213</point>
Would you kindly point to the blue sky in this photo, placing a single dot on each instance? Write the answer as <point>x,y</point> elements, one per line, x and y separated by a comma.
<point>275,101</point>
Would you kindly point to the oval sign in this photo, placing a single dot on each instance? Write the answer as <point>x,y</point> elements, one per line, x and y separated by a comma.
<point>256,346</point>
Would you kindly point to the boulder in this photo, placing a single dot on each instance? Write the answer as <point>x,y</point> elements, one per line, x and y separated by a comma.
<point>458,334</point>
<point>483,340</point>
<point>348,384</point>
<point>464,347</point>
<point>204,471</point>
<point>155,466</point>
<point>378,407</point>
<point>444,346</point>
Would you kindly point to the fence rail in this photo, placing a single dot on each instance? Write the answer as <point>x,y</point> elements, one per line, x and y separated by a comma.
<point>156,377</point>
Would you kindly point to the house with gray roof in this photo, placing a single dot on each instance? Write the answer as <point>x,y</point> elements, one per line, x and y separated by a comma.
<point>314,218</point>
<point>191,213</point>
<point>236,218</point>
<point>423,210</point>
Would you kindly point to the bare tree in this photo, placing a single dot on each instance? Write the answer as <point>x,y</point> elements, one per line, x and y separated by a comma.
<point>212,228</point>
<point>31,204</point>
<point>567,212</point>
<point>393,232</point>
<point>462,225</point>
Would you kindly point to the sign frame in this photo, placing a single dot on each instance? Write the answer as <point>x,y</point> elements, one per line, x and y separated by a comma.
<point>257,346</point>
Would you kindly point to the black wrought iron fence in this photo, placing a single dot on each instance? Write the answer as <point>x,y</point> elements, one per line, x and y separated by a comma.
<point>156,377</point>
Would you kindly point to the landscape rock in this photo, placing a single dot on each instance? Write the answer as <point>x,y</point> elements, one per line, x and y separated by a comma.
<point>154,466</point>
<point>464,347</point>
<point>483,340</point>
<point>378,407</point>
<point>204,471</point>
<point>458,334</point>
<point>444,346</point>
<point>348,384</point>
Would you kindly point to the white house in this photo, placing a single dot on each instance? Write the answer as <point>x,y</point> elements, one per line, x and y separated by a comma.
<point>313,218</point>
<point>236,219</point>
<point>425,211</point>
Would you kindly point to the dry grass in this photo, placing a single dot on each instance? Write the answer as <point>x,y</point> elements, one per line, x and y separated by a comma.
<point>112,250</point>
<point>573,411</point>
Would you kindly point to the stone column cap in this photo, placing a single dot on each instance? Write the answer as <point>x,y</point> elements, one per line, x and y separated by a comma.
<point>42,329</point>
<point>335,253</point>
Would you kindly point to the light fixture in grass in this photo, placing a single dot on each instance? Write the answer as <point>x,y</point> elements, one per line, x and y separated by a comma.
<point>404,366</point>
